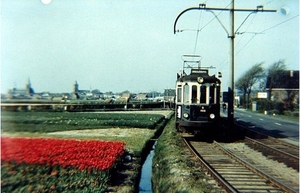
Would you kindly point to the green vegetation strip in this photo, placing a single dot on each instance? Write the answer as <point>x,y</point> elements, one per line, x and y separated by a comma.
<point>44,122</point>
<point>42,178</point>
<point>174,168</point>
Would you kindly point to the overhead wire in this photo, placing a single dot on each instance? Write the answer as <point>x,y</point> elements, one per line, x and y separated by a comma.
<point>279,23</point>
<point>245,45</point>
<point>206,23</point>
<point>222,66</point>
<point>200,29</point>
<point>244,32</point>
<point>269,2</point>
<point>249,39</point>
<point>215,17</point>
<point>219,69</point>
<point>197,34</point>
<point>256,33</point>
<point>204,26</point>
<point>265,31</point>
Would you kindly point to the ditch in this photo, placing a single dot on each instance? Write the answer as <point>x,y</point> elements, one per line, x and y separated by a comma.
<point>145,185</point>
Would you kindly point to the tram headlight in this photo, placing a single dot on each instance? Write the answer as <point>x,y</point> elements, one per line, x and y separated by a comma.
<point>186,115</point>
<point>212,116</point>
<point>200,79</point>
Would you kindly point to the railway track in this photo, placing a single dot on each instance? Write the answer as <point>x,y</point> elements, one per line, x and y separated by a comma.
<point>277,150</point>
<point>235,173</point>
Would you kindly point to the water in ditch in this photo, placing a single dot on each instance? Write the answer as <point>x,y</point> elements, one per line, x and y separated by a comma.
<point>145,185</point>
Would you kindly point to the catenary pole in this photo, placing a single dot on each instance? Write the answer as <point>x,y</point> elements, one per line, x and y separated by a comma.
<point>231,35</point>
<point>230,110</point>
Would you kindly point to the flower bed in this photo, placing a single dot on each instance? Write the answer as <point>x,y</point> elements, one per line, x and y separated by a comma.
<point>135,128</point>
<point>28,158</point>
<point>44,122</point>
<point>78,154</point>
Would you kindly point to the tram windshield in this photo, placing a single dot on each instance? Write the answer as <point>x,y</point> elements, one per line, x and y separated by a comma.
<point>194,94</point>
<point>186,93</point>
<point>179,92</point>
<point>203,94</point>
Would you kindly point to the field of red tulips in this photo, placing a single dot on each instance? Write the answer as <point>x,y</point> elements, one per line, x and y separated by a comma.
<point>58,157</point>
<point>33,162</point>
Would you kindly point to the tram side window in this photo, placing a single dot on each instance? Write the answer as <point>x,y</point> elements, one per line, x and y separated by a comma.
<point>203,94</point>
<point>218,94</point>
<point>212,94</point>
<point>194,94</point>
<point>186,92</point>
<point>179,92</point>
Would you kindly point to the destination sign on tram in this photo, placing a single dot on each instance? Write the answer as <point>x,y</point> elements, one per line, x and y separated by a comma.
<point>199,71</point>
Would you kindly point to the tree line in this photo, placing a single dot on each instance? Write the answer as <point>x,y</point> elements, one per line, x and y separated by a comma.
<point>259,79</point>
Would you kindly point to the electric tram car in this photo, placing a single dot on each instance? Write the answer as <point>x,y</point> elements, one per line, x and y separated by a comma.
<point>197,101</point>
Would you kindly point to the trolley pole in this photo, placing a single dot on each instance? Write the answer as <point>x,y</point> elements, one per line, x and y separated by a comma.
<point>231,34</point>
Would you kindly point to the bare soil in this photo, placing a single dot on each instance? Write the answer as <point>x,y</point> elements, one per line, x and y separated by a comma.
<point>109,132</point>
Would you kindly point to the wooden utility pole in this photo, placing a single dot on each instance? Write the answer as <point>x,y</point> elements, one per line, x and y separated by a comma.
<point>231,34</point>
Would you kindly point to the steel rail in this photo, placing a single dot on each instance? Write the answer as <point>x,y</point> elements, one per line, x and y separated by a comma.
<point>267,136</point>
<point>296,147</point>
<point>292,146</point>
<point>281,152</point>
<point>272,148</point>
<point>222,182</point>
<point>251,167</point>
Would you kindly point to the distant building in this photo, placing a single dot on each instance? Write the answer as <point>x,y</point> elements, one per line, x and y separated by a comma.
<point>85,94</point>
<point>169,95</point>
<point>76,87</point>
<point>24,93</point>
<point>141,96</point>
<point>287,89</point>
<point>108,95</point>
<point>126,95</point>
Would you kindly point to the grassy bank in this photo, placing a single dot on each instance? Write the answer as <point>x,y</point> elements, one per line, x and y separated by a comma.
<point>174,168</point>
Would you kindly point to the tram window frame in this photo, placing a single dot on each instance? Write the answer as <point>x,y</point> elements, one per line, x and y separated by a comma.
<point>186,93</point>
<point>203,94</point>
<point>212,95</point>
<point>194,92</point>
<point>218,94</point>
<point>179,95</point>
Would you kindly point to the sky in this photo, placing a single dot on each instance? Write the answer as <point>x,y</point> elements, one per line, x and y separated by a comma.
<point>118,45</point>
